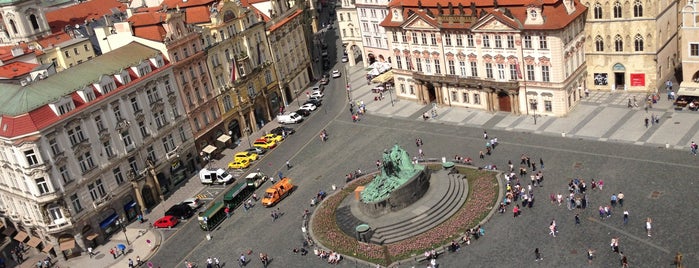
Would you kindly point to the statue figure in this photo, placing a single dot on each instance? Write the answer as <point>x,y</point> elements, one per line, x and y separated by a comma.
<point>396,170</point>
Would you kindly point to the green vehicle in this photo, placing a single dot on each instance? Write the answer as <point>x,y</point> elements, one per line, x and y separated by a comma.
<point>238,194</point>
<point>213,216</point>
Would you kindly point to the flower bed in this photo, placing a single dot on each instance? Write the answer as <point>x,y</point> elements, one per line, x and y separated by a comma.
<point>482,196</point>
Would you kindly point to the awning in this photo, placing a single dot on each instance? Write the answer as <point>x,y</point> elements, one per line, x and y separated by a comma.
<point>688,91</point>
<point>108,221</point>
<point>209,149</point>
<point>129,205</point>
<point>224,138</point>
<point>68,245</point>
<point>383,78</point>
<point>91,236</point>
<point>34,241</point>
<point>9,231</point>
<point>21,236</point>
<point>47,248</point>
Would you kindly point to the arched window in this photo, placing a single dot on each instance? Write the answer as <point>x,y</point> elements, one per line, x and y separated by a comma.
<point>598,11</point>
<point>638,9</point>
<point>617,9</point>
<point>13,26</point>
<point>599,43</point>
<point>638,43</point>
<point>618,43</point>
<point>34,21</point>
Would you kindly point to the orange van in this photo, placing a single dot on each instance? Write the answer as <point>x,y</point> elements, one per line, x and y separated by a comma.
<point>277,192</point>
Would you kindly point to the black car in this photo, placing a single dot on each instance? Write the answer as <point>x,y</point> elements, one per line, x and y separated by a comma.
<point>278,130</point>
<point>255,150</point>
<point>315,102</point>
<point>181,211</point>
<point>303,112</point>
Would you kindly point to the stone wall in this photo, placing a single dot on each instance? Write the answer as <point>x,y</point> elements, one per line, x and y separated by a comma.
<point>400,198</point>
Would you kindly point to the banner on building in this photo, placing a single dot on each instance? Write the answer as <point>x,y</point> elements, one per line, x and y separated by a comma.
<point>638,80</point>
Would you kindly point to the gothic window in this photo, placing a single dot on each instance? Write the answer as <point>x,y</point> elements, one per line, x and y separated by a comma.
<point>13,26</point>
<point>638,43</point>
<point>638,8</point>
<point>599,43</point>
<point>35,23</point>
<point>618,43</point>
<point>617,9</point>
<point>598,11</point>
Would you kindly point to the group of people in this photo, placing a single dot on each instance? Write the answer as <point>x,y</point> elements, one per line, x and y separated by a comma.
<point>331,256</point>
<point>17,254</point>
<point>357,111</point>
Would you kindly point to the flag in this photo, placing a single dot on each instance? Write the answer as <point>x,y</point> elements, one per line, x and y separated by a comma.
<point>234,69</point>
<point>519,73</point>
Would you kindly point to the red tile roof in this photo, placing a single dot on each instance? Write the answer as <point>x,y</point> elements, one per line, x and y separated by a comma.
<point>285,20</point>
<point>200,14</point>
<point>6,51</point>
<point>53,39</point>
<point>149,25</point>
<point>78,14</point>
<point>147,18</point>
<point>260,14</point>
<point>554,13</point>
<point>186,3</point>
<point>16,69</point>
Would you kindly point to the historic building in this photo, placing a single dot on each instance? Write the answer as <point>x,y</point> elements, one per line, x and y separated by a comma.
<point>524,59</point>
<point>689,49</point>
<point>631,45</point>
<point>89,147</point>
<point>374,37</point>
<point>22,21</point>
<point>348,22</point>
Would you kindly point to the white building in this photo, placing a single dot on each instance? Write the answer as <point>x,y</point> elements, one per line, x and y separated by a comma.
<point>375,43</point>
<point>348,22</point>
<point>89,147</point>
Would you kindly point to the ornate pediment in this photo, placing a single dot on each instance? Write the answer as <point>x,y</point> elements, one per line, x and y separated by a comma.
<point>157,106</point>
<point>82,147</point>
<point>122,125</point>
<point>418,23</point>
<point>494,24</point>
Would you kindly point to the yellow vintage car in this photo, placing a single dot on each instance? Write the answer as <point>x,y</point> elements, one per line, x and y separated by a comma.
<point>273,137</point>
<point>264,143</point>
<point>250,156</point>
<point>239,164</point>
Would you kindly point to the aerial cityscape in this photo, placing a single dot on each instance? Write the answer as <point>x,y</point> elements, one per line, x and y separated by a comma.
<point>355,133</point>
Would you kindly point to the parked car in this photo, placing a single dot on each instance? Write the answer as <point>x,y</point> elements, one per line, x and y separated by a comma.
<point>336,74</point>
<point>308,106</point>
<point>245,155</point>
<point>276,138</point>
<point>166,222</point>
<point>303,112</point>
<point>215,176</point>
<point>255,150</point>
<point>278,130</point>
<point>291,118</point>
<point>193,202</point>
<point>264,143</point>
<point>255,179</point>
<point>239,163</point>
<point>324,53</point>
<point>180,211</point>
<point>316,94</point>
<point>316,102</point>
<point>325,80</point>
<point>345,58</point>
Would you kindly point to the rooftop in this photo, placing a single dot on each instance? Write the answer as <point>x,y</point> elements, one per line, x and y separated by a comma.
<point>16,69</point>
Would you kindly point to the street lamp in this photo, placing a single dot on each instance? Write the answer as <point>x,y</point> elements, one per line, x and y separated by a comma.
<point>122,223</point>
<point>389,87</point>
<point>206,157</point>
<point>533,103</point>
<point>296,93</point>
<point>248,131</point>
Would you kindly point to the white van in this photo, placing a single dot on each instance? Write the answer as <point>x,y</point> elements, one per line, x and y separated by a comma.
<point>217,176</point>
<point>291,118</point>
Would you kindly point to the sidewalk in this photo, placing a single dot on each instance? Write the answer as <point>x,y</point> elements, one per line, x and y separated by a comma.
<point>602,116</point>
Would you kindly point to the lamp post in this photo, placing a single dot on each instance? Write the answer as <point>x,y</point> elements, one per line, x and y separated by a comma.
<point>206,157</point>
<point>389,87</point>
<point>533,103</point>
<point>122,224</point>
<point>248,131</point>
<point>296,93</point>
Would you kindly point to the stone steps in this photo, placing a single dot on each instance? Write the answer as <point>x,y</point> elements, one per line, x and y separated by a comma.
<point>345,220</point>
<point>448,204</point>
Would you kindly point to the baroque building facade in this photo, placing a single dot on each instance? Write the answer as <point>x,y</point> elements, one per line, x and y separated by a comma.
<point>689,48</point>
<point>631,45</point>
<point>370,14</point>
<point>523,59</point>
<point>348,22</point>
<point>82,155</point>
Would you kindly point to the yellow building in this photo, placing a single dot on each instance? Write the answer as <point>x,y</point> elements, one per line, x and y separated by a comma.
<point>64,51</point>
<point>630,45</point>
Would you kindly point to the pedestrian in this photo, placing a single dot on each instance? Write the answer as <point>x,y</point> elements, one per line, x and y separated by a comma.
<point>620,199</point>
<point>481,155</point>
<point>693,148</point>
<point>624,261</point>
<point>648,225</point>
<point>288,165</point>
<point>529,162</point>
<point>217,263</point>
<point>533,167</point>
<point>600,184</point>
<point>577,219</point>
<point>378,165</point>
<point>89,252</point>
<point>274,215</point>
<point>264,259</point>
<point>138,261</point>
<point>587,93</point>
<point>646,121</point>
<point>515,211</point>
<point>242,260</point>
<point>626,217</point>
<point>130,263</point>
<point>537,255</point>
<point>541,163</point>
<point>590,255</point>
<point>613,200</point>
<point>485,134</point>
<point>227,210</point>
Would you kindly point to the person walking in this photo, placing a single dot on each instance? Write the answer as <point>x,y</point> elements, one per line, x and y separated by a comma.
<point>613,200</point>
<point>577,219</point>
<point>217,263</point>
<point>693,147</point>
<point>646,122</point>
<point>626,217</point>
<point>288,164</point>
<point>620,199</point>
<point>537,255</point>
<point>590,255</point>
<point>648,225</point>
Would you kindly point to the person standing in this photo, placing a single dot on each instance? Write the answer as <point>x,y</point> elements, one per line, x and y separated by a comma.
<point>89,252</point>
<point>217,263</point>
<point>288,164</point>
<point>541,163</point>
<point>693,148</point>
<point>648,225</point>
<point>590,255</point>
<point>620,199</point>
<point>646,122</point>
<point>537,255</point>
<point>626,217</point>
<point>130,263</point>
<point>485,134</point>
<point>577,219</point>
<point>613,201</point>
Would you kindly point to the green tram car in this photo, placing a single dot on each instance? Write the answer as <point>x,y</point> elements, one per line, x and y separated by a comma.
<point>216,213</point>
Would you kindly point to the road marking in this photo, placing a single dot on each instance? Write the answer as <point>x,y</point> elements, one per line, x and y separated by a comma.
<point>644,241</point>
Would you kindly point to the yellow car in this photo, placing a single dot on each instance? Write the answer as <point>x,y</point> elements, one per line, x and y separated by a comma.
<point>245,155</point>
<point>273,137</point>
<point>239,164</point>
<point>264,143</point>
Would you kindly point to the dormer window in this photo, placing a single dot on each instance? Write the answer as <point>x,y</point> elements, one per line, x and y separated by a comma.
<point>533,13</point>
<point>62,106</point>
<point>87,94</point>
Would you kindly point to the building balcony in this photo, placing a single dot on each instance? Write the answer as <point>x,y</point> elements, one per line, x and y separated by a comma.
<point>58,227</point>
<point>102,201</point>
<point>48,197</point>
<point>122,125</point>
<point>474,82</point>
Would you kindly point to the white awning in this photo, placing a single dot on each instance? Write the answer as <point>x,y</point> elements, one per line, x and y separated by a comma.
<point>688,89</point>
<point>224,138</point>
<point>209,149</point>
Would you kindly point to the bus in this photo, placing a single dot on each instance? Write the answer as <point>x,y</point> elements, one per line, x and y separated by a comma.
<point>213,216</point>
<point>238,194</point>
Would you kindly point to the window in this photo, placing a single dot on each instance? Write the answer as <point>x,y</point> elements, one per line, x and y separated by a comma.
<point>99,124</point>
<point>462,68</point>
<point>513,72</point>
<point>545,75</point>
<point>498,41</point>
<point>465,97</point>
<point>474,69</point>
<point>428,66</point>
<point>489,70</point>
<point>118,176</point>
<point>414,38</point>
<point>599,43</point>
<point>486,41</point>
<point>418,62</point>
<point>510,41</point>
<point>55,213</point>
<point>160,119</point>
<point>543,44</point>
<point>459,40</point>
<point>153,95</point>
<point>452,68</point>
<point>530,73</point>
<point>150,152</point>
<point>501,71</point>
<point>116,111</point>
<point>638,43</point>
<point>133,164</point>
<point>548,106</point>
<point>76,135</point>
<point>469,40</point>
<point>447,39</point>
<point>144,130</point>
<point>433,39</point>
<point>134,104</point>
<point>424,38</point>
<point>86,162</point>
<point>75,200</point>
<point>402,88</point>
<point>108,149</point>
<point>65,174</point>
<point>93,191</point>
<point>31,157</point>
<point>694,49</point>
<point>67,53</point>
<point>404,37</point>
<point>528,41</point>
<point>638,8</point>
<point>399,64</point>
<point>168,143</point>
<point>126,138</point>
<point>617,9</point>
<point>42,185</point>
<point>183,134</point>
<point>55,148</point>
<point>598,11</point>
<point>412,90</point>
<point>618,43</point>
<point>437,67</point>
<point>227,103</point>
<point>476,98</point>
